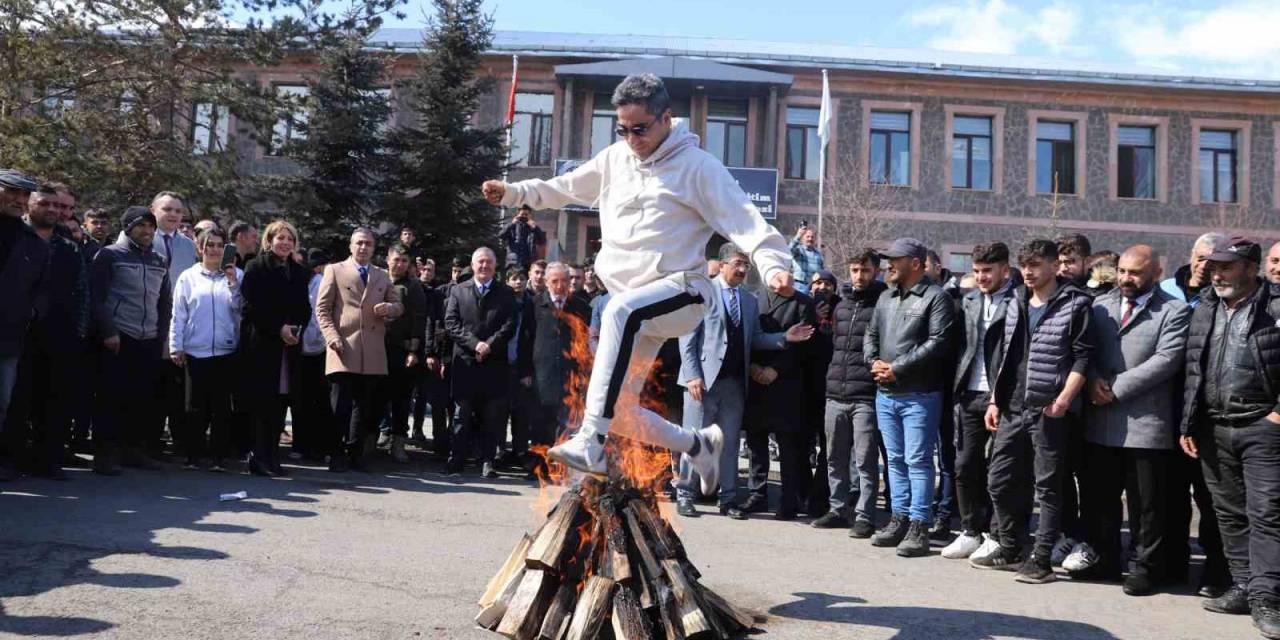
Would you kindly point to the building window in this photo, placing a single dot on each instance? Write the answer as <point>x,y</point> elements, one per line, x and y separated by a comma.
<point>604,122</point>
<point>209,128</point>
<point>890,160</point>
<point>288,127</point>
<point>1218,166</point>
<point>971,158</point>
<point>1055,157</point>
<point>531,130</point>
<point>1136,162</point>
<point>57,101</point>
<point>727,131</point>
<point>803,146</point>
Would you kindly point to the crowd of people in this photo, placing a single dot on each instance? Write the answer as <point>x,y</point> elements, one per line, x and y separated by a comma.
<point>1047,382</point>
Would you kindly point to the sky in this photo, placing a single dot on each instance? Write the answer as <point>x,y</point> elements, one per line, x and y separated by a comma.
<point>1227,38</point>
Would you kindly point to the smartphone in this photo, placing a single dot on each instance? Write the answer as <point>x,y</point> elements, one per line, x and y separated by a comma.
<point>228,256</point>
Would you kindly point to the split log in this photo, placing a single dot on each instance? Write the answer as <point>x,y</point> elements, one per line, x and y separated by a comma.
<point>692,617</point>
<point>611,524</point>
<point>549,547</point>
<point>642,582</point>
<point>592,609</point>
<point>740,619</point>
<point>556,622</point>
<point>514,563</point>
<point>664,546</point>
<point>668,614</point>
<point>491,615</point>
<point>523,618</point>
<point>717,626</point>
<point>629,622</point>
<point>642,546</point>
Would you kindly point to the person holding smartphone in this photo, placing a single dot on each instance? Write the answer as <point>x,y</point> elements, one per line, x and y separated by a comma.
<point>203,337</point>
<point>276,307</point>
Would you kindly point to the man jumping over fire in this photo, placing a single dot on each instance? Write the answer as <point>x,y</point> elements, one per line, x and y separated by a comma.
<point>660,198</point>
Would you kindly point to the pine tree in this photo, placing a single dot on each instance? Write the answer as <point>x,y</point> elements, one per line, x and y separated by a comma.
<point>441,158</point>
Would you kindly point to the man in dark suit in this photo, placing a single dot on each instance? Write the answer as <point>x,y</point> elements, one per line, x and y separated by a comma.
<point>558,319</point>
<point>480,316</point>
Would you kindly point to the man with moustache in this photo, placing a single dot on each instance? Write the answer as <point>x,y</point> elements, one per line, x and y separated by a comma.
<point>1273,264</point>
<point>906,344</point>
<point>556,315</point>
<point>1140,334</point>
<point>24,258</point>
<point>1231,422</point>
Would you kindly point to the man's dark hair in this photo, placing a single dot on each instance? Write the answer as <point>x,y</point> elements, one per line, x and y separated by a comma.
<point>517,272</point>
<point>398,248</point>
<point>643,89</point>
<point>869,256</point>
<point>934,257</point>
<point>97,214</point>
<point>1074,243</point>
<point>237,228</point>
<point>409,229</point>
<point>1039,249</point>
<point>730,250</point>
<point>61,187</point>
<point>993,253</point>
<point>525,207</point>
<point>47,188</point>
<point>540,263</point>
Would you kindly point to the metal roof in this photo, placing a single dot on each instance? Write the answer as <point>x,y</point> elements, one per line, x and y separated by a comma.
<point>674,68</point>
<point>816,55</point>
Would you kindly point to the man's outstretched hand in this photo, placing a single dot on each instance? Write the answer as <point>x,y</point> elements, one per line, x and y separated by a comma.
<point>783,284</point>
<point>494,190</point>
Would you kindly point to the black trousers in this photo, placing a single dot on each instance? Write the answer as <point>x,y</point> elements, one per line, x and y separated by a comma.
<point>432,389</point>
<point>793,462</point>
<point>972,497</point>
<point>944,495</point>
<point>396,391</point>
<point>1073,476</point>
<point>44,397</point>
<point>353,398</point>
<point>169,408</point>
<point>521,415</point>
<point>480,424</point>
<point>1242,469</point>
<point>126,404</point>
<point>1142,475</point>
<point>1024,436</point>
<point>208,406</point>
<point>86,371</point>
<point>1186,485</point>
<point>268,424</point>
<point>313,424</point>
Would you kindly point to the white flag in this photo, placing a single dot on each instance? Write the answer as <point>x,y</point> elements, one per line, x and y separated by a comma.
<point>825,115</point>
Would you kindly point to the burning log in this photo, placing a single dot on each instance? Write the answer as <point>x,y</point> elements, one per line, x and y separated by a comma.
<point>605,565</point>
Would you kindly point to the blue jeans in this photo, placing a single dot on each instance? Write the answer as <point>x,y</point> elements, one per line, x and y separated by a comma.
<point>909,426</point>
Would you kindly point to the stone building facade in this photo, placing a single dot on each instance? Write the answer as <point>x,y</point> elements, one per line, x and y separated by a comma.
<point>753,102</point>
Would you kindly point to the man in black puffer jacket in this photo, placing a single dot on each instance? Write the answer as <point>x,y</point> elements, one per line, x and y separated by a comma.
<point>1041,371</point>
<point>853,449</point>
<point>1231,421</point>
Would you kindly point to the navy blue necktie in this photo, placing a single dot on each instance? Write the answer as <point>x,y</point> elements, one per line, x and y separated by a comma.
<point>364,275</point>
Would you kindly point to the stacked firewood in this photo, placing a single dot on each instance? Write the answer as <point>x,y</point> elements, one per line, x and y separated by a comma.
<point>605,565</point>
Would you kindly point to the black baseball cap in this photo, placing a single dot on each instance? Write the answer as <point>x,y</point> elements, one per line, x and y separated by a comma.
<point>906,248</point>
<point>1236,249</point>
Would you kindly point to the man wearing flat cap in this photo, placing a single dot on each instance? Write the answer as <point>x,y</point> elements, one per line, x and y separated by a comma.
<point>906,346</point>
<point>130,301</point>
<point>1231,422</point>
<point>24,259</point>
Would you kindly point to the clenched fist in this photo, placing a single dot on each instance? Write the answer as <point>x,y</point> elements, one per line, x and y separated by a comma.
<point>493,191</point>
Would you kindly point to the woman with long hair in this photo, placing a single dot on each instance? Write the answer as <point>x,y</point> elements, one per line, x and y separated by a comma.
<point>276,308</point>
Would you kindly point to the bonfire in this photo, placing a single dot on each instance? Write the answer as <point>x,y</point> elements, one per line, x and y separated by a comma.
<point>605,562</point>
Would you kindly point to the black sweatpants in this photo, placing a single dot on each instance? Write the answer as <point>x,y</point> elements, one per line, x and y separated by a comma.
<point>1024,436</point>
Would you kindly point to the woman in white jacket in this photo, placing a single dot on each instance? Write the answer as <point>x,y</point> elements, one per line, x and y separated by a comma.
<point>203,338</point>
<point>661,197</point>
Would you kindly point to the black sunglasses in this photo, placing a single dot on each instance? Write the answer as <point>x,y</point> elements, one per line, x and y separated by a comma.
<point>638,130</point>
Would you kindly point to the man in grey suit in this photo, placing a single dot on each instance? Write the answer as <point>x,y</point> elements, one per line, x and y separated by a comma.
<point>715,363</point>
<point>1130,425</point>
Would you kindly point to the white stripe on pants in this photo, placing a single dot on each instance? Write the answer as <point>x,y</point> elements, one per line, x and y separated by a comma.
<point>633,327</point>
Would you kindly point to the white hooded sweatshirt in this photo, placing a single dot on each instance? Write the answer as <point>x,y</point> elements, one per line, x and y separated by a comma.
<point>657,214</point>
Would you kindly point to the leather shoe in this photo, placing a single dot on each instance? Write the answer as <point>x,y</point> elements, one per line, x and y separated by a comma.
<point>1137,584</point>
<point>733,511</point>
<point>1234,602</point>
<point>258,468</point>
<point>486,471</point>
<point>1266,617</point>
<point>754,504</point>
<point>684,507</point>
<point>785,515</point>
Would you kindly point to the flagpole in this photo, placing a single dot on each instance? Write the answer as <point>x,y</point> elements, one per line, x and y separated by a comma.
<point>511,117</point>
<point>822,157</point>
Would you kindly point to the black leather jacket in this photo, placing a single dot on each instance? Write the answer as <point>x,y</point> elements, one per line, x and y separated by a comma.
<point>912,333</point>
<point>1263,340</point>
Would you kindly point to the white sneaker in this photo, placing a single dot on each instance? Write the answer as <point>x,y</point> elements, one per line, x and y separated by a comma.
<point>1082,557</point>
<point>707,461</point>
<point>583,452</point>
<point>1061,550</point>
<point>962,547</point>
<point>989,546</point>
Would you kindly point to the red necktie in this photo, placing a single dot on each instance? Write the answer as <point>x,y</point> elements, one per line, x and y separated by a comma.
<point>1129,304</point>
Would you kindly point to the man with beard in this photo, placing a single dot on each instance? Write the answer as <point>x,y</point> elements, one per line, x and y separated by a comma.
<point>1273,264</point>
<point>1140,335</point>
<point>907,345</point>
<point>42,399</point>
<point>1231,422</point>
<point>405,346</point>
<point>24,261</point>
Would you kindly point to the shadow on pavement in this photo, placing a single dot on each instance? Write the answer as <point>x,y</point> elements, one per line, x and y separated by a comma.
<point>53,533</point>
<point>933,623</point>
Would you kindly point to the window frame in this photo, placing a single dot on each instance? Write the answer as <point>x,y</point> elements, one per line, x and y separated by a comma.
<point>1079,134</point>
<point>215,126</point>
<point>888,136</point>
<point>804,140</point>
<point>1161,126</point>
<point>1243,130</point>
<point>915,109</point>
<point>276,149</point>
<point>534,118</point>
<point>996,114</point>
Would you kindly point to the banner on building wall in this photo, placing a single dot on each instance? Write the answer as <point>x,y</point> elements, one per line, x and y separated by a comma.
<point>761,186</point>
